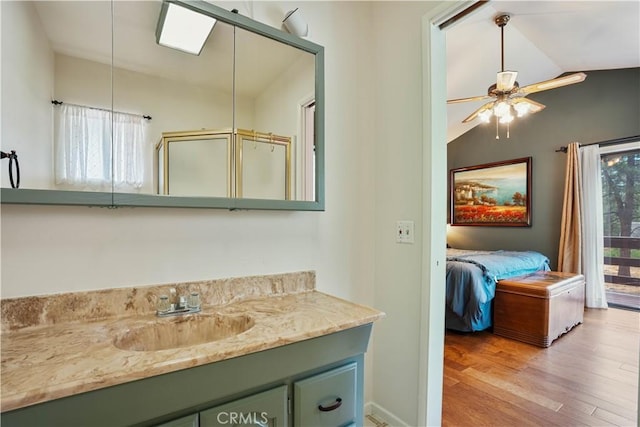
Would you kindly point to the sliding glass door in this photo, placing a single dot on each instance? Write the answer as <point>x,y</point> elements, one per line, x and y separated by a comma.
<point>621,207</point>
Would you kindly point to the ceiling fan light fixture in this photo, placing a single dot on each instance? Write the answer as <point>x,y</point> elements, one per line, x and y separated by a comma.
<point>527,106</point>
<point>502,109</point>
<point>485,116</point>
<point>522,108</point>
<point>507,118</point>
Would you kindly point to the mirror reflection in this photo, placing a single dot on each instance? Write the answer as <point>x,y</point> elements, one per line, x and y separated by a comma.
<point>263,166</point>
<point>196,164</point>
<point>40,52</point>
<point>274,87</point>
<point>129,109</point>
<point>183,93</point>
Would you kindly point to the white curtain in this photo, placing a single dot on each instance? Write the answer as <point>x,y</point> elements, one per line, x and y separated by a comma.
<point>592,227</point>
<point>88,139</point>
<point>83,159</point>
<point>128,151</point>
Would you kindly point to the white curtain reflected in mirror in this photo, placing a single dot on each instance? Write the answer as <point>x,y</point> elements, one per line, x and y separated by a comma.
<point>96,149</point>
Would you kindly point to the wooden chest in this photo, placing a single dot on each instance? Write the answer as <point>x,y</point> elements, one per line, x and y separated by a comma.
<point>537,308</point>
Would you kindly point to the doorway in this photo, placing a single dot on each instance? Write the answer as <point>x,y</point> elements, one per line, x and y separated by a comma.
<point>620,166</point>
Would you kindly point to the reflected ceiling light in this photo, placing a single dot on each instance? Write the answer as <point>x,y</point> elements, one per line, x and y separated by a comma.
<point>295,24</point>
<point>182,28</point>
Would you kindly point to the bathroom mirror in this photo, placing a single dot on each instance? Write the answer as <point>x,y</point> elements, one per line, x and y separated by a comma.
<point>101,57</point>
<point>34,52</point>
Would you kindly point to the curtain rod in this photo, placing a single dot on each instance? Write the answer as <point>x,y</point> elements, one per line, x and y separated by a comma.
<point>563,149</point>
<point>56,102</point>
<point>462,14</point>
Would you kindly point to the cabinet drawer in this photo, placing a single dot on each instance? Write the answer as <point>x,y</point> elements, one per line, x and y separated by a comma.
<point>266,409</point>
<point>326,399</point>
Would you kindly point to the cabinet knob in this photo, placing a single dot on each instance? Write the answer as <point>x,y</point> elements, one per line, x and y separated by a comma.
<point>333,407</point>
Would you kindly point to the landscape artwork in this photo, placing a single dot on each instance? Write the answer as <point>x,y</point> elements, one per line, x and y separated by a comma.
<point>493,194</point>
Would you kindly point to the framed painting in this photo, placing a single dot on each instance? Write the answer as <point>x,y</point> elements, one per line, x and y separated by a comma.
<point>492,194</point>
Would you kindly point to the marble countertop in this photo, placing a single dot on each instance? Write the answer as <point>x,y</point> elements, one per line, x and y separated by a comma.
<point>54,360</point>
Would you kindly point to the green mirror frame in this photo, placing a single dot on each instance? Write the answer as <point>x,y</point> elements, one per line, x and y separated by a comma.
<point>115,200</point>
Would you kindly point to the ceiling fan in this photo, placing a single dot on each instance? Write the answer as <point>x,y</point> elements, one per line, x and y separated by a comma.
<point>508,96</point>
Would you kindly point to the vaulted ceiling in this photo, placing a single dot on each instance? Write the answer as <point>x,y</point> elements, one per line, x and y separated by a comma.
<point>543,39</point>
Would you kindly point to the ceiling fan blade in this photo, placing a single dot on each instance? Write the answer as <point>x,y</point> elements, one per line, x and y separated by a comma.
<point>505,80</point>
<point>553,83</point>
<point>473,115</point>
<point>473,98</point>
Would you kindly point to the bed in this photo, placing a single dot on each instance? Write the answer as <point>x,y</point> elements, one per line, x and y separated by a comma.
<point>471,283</point>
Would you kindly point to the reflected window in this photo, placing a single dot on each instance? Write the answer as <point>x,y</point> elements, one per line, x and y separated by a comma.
<point>84,148</point>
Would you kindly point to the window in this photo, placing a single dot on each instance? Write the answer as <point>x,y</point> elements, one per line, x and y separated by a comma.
<point>621,208</point>
<point>99,149</point>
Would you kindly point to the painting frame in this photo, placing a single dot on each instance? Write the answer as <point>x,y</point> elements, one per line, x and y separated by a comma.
<point>494,194</point>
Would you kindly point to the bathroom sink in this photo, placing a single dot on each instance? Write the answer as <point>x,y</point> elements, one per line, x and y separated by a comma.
<point>185,331</point>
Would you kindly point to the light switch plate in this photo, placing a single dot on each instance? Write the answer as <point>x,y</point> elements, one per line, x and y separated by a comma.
<point>404,232</point>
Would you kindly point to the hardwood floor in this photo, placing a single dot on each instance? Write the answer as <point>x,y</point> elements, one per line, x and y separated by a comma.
<point>588,376</point>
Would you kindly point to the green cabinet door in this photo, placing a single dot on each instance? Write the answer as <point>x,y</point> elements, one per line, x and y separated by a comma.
<point>188,421</point>
<point>266,409</point>
<point>328,399</point>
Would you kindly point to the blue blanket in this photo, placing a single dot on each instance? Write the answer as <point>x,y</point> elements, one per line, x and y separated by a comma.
<point>500,265</point>
<point>471,283</point>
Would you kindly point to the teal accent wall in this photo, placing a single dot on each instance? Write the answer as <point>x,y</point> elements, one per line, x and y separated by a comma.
<point>605,106</point>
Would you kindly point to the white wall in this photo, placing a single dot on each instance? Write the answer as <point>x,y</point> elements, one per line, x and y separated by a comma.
<point>278,110</point>
<point>59,249</point>
<point>400,286</point>
<point>280,101</point>
<point>26,121</point>
<point>321,236</point>
<point>374,173</point>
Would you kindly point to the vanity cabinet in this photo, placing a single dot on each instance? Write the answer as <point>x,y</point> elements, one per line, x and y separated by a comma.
<point>327,399</point>
<point>288,382</point>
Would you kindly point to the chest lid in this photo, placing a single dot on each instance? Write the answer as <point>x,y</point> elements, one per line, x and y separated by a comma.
<point>541,284</point>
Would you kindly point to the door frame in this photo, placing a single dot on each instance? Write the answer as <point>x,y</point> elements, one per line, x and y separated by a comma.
<point>434,197</point>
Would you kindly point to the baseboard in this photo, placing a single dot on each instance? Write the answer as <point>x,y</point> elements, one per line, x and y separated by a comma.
<point>381,414</point>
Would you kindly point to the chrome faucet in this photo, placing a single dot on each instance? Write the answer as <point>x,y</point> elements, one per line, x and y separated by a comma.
<point>179,305</point>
